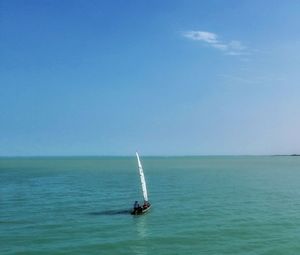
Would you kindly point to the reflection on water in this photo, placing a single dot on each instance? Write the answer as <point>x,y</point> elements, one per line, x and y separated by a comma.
<point>142,232</point>
<point>141,226</point>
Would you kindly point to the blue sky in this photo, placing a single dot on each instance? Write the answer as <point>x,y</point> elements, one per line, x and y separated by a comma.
<point>161,77</point>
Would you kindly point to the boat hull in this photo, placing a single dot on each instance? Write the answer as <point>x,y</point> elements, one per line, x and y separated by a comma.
<point>140,211</point>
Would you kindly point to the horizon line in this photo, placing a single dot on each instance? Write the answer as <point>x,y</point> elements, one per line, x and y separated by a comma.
<point>145,155</point>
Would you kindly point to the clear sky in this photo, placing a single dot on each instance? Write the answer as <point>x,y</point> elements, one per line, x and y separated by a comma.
<point>83,77</point>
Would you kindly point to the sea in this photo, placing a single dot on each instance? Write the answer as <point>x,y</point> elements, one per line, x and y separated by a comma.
<point>200,205</point>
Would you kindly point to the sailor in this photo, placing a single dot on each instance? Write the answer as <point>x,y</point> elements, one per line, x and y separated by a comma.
<point>146,205</point>
<point>136,205</point>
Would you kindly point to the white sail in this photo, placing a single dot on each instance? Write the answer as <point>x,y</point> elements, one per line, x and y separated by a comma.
<point>143,182</point>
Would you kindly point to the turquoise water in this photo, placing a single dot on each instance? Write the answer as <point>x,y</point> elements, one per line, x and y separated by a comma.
<point>201,205</point>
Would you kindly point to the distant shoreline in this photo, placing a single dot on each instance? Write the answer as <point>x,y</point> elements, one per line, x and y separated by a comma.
<point>291,155</point>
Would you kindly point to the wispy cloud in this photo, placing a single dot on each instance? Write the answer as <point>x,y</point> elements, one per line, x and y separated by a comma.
<point>252,79</point>
<point>233,47</point>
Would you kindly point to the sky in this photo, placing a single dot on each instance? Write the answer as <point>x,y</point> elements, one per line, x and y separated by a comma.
<point>87,77</point>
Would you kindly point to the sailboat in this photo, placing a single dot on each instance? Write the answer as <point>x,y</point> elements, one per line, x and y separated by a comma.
<point>138,209</point>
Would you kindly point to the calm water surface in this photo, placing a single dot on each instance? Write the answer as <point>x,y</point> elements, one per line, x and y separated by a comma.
<point>201,205</point>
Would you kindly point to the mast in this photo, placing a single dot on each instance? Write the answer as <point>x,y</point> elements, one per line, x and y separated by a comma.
<point>143,182</point>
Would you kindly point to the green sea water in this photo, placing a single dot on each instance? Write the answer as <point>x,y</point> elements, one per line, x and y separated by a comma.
<point>201,205</point>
